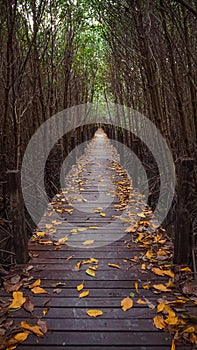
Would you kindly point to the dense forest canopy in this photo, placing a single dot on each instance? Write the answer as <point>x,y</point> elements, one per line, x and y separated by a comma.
<point>55,54</point>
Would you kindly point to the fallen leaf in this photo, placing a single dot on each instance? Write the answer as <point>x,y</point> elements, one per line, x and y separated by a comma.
<point>80,287</point>
<point>143,267</point>
<point>57,290</point>
<point>160,307</point>
<point>126,303</point>
<point>94,313</point>
<point>102,214</point>
<point>42,325</point>
<point>150,304</point>
<point>63,240</point>
<point>82,229</point>
<point>136,287</point>
<point>33,329</point>
<point>90,272</point>
<point>70,257</point>
<point>172,320</point>
<point>39,290</point>
<point>141,302</point>
<point>45,311</point>
<point>157,271</point>
<point>22,336</point>
<point>15,279</point>
<point>186,269</point>
<point>141,215</point>
<point>73,231</point>
<point>84,294</point>
<point>18,300</point>
<point>28,305</point>
<point>88,242</point>
<point>148,254</point>
<point>189,329</point>
<point>161,287</point>
<point>173,345</point>
<point>159,322</point>
<point>114,265</point>
<point>35,284</point>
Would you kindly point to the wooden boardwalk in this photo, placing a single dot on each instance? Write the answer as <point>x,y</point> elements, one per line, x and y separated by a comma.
<point>93,212</point>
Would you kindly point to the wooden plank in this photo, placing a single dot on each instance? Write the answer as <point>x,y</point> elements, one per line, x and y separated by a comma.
<point>118,347</point>
<point>90,338</point>
<point>117,275</point>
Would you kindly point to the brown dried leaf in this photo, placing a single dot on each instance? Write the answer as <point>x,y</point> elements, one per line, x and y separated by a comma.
<point>28,305</point>
<point>43,326</point>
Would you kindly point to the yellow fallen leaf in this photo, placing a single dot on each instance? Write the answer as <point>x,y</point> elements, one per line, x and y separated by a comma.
<point>80,287</point>
<point>63,240</point>
<point>157,271</point>
<point>39,290</point>
<point>73,231</point>
<point>78,264</point>
<point>131,229</point>
<point>70,257</point>
<point>141,302</point>
<point>84,294</point>
<point>170,312</point>
<point>93,260</point>
<point>170,284</point>
<point>186,269</point>
<point>162,241</point>
<point>157,238</point>
<point>45,311</point>
<point>126,303</point>
<point>141,215</point>
<point>136,287</point>
<point>48,226</point>
<point>102,214</point>
<point>20,337</point>
<point>90,241</point>
<point>146,286</point>
<point>93,227</point>
<point>35,284</point>
<point>55,222</point>
<point>33,329</point>
<point>90,272</point>
<point>189,329</point>
<point>172,320</point>
<point>82,229</point>
<point>40,233</point>
<point>169,273</point>
<point>149,254</point>
<point>159,322</point>
<point>161,287</point>
<point>155,226</point>
<point>94,313</point>
<point>114,265</point>
<point>18,300</point>
<point>160,307</point>
<point>143,267</point>
<point>93,267</point>
<point>173,347</point>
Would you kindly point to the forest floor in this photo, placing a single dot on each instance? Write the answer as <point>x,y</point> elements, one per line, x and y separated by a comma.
<point>101,273</point>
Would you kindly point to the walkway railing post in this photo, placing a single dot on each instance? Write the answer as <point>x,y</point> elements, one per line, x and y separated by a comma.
<point>183,222</point>
<point>17,217</point>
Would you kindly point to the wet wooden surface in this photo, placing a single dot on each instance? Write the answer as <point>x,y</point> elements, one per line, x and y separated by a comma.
<point>69,325</point>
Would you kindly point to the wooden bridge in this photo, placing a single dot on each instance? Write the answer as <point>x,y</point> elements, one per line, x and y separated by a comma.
<point>96,235</point>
